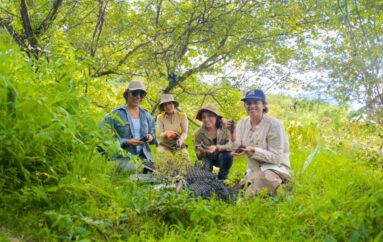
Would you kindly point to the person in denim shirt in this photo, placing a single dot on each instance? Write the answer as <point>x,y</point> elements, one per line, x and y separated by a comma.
<point>132,127</point>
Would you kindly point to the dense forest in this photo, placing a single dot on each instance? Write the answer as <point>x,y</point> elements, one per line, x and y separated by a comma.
<point>64,64</point>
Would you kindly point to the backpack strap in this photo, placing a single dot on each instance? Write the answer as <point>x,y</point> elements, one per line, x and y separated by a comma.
<point>181,115</point>
<point>162,117</point>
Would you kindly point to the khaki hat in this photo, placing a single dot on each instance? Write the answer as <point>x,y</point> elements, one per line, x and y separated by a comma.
<point>209,108</point>
<point>136,85</point>
<point>166,98</point>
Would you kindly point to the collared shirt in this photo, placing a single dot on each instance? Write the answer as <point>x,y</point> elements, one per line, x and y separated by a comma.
<point>223,138</point>
<point>120,124</point>
<point>271,145</point>
<point>178,122</point>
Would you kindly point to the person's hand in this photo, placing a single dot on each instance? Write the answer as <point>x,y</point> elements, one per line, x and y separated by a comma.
<point>201,150</point>
<point>212,149</point>
<point>239,151</point>
<point>134,142</point>
<point>230,125</point>
<point>249,150</point>
<point>170,134</point>
<point>150,137</point>
<point>181,140</point>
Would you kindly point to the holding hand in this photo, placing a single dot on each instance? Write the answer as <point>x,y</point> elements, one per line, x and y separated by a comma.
<point>249,150</point>
<point>230,125</point>
<point>244,149</point>
<point>181,140</point>
<point>212,149</point>
<point>170,134</point>
<point>137,142</point>
<point>134,142</point>
<point>201,150</point>
<point>239,151</point>
<point>149,137</point>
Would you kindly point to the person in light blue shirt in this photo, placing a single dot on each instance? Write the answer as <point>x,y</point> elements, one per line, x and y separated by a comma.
<point>131,126</point>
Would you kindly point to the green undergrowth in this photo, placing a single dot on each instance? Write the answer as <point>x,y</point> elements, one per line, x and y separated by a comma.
<point>333,199</point>
<point>55,186</point>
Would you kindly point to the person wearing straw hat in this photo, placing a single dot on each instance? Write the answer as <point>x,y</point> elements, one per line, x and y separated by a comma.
<point>213,141</point>
<point>172,126</point>
<point>263,140</point>
<point>132,126</point>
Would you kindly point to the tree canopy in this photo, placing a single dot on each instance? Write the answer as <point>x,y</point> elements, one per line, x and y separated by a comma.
<point>171,43</point>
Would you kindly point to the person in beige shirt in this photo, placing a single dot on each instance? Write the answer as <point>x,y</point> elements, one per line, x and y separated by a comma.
<point>172,126</point>
<point>264,142</point>
<point>213,141</point>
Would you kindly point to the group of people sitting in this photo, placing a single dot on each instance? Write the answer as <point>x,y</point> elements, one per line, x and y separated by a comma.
<point>258,136</point>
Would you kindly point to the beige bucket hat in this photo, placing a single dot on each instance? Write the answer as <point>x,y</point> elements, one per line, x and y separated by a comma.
<point>166,98</point>
<point>209,108</point>
<point>136,85</point>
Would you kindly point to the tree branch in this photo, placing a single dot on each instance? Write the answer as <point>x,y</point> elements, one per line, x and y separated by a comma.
<point>98,28</point>
<point>121,62</point>
<point>16,37</point>
<point>27,26</point>
<point>46,23</point>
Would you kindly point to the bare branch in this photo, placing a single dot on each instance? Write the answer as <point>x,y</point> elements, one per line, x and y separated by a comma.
<point>121,62</point>
<point>27,25</point>
<point>16,37</point>
<point>193,122</point>
<point>46,23</point>
<point>360,20</point>
<point>98,28</point>
<point>104,73</point>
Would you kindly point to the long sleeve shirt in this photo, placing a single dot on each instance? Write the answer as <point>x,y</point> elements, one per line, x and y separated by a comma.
<point>223,138</point>
<point>271,145</point>
<point>178,122</point>
<point>120,124</point>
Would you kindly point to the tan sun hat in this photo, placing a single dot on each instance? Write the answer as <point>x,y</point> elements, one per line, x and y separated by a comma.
<point>166,98</point>
<point>136,85</point>
<point>209,108</point>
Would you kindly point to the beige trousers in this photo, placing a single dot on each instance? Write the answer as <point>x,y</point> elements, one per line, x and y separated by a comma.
<point>257,181</point>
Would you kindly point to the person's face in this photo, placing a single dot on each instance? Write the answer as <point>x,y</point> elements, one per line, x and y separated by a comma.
<point>168,107</point>
<point>136,97</point>
<point>254,107</point>
<point>209,119</point>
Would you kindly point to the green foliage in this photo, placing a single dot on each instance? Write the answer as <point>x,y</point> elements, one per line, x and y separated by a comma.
<point>172,164</point>
<point>41,123</point>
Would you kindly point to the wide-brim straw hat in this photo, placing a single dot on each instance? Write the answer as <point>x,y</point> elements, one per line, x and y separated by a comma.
<point>166,98</point>
<point>209,108</point>
<point>136,85</point>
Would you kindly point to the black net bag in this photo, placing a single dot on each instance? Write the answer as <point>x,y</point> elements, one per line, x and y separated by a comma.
<point>204,184</point>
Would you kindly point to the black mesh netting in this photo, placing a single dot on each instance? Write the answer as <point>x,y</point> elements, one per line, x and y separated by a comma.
<point>204,184</point>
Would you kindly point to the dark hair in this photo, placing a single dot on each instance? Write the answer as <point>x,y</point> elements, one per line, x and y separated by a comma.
<point>218,122</point>
<point>266,109</point>
<point>126,94</point>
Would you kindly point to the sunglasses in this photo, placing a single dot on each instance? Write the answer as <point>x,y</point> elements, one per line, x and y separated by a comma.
<point>135,93</point>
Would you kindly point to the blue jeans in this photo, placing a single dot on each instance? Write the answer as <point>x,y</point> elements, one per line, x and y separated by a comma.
<point>223,160</point>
